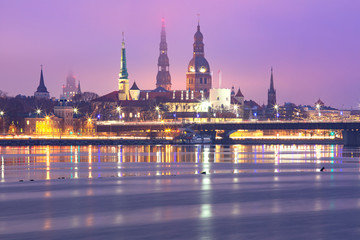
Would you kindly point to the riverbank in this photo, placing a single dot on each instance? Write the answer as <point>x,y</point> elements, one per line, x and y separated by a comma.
<point>82,141</point>
<point>111,141</point>
<point>288,141</point>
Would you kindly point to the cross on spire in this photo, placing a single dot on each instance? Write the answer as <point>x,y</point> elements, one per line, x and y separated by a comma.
<point>123,40</point>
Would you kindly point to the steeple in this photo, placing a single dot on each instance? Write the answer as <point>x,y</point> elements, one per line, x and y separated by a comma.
<point>163,78</point>
<point>124,93</point>
<point>271,92</point>
<point>123,70</point>
<point>198,42</point>
<point>272,81</point>
<point>41,89</point>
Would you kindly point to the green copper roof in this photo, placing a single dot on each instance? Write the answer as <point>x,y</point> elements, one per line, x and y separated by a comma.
<point>123,70</point>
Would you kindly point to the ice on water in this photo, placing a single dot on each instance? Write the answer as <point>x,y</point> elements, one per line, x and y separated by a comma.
<point>157,192</point>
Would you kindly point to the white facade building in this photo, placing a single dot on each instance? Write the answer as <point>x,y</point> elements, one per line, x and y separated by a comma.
<point>220,98</point>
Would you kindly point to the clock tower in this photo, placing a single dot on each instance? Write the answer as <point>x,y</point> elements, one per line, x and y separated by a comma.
<point>198,76</point>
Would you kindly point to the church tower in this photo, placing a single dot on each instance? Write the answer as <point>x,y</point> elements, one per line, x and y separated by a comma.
<point>124,92</point>
<point>271,92</point>
<point>42,92</point>
<point>163,78</point>
<point>79,89</point>
<point>198,76</point>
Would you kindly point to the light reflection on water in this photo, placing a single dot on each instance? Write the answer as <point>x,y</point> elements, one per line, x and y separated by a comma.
<point>52,162</point>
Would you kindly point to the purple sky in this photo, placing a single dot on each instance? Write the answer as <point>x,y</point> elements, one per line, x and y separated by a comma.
<point>313,45</point>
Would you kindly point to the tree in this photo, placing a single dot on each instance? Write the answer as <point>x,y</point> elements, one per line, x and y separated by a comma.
<point>3,94</point>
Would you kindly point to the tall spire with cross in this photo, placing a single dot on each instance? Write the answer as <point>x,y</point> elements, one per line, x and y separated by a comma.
<point>41,91</point>
<point>271,92</point>
<point>124,93</point>
<point>163,78</point>
<point>123,70</point>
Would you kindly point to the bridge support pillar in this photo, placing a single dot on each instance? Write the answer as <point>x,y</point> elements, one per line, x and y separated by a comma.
<point>226,137</point>
<point>351,137</point>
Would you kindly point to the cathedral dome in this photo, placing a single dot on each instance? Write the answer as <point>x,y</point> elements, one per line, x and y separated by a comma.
<point>199,64</point>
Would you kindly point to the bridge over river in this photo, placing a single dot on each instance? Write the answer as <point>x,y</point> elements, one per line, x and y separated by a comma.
<point>350,129</point>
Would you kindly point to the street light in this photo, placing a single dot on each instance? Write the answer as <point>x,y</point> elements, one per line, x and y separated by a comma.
<point>3,120</point>
<point>277,111</point>
<point>236,107</point>
<point>38,111</point>
<point>157,108</point>
<point>76,111</point>
<point>318,106</point>
<point>118,110</point>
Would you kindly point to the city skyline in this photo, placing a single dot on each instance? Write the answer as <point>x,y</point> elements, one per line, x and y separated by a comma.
<point>307,47</point>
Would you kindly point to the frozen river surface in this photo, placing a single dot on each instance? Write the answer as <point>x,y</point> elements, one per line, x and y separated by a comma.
<point>157,192</point>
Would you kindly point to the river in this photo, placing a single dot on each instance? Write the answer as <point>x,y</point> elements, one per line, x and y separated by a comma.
<point>180,192</point>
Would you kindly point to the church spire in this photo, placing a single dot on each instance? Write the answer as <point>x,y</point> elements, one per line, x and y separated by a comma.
<point>271,92</point>
<point>198,42</point>
<point>272,81</point>
<point>198,26</point>
<point>123,70</point>
<point>41,89</point>
<point>124,93</point>
<point>163,78</point>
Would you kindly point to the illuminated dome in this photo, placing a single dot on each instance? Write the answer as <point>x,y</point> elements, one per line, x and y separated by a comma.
<point>199,64</point>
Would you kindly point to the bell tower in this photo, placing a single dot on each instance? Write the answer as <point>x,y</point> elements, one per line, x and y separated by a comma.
<point>163,78</point>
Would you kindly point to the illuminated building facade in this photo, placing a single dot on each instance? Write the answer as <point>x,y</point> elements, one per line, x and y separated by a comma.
<point>220,98</point>
<point>198,76</point>
<point>134,92</point>
<point>163,78</point>
<point>67,115</point>
<point>41,124</point>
